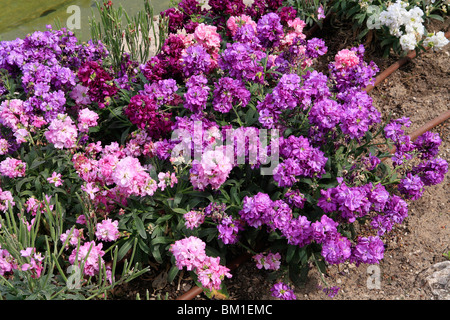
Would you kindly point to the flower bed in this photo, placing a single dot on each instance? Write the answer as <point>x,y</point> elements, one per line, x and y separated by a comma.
<point>228,138</point>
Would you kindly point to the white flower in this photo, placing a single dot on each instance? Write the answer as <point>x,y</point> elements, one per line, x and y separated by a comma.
<point>436,41</point>
<point>408,42</point>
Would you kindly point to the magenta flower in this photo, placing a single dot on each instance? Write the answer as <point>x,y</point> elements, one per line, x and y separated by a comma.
<point>55,179</point>
<point>283,291</point>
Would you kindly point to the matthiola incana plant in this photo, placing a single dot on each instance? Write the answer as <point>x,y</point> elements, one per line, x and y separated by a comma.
<point>228,140</point>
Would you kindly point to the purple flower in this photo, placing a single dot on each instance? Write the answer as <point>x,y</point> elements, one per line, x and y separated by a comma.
<point>411,186</point>
<point>428,145</point>
<point>336,248</point>
<point>229,229</point>
<point>242,62</point>
<point>295,198</point>
<point>298,231</point>
<point>431,172</point>
<point>315,47</point>
<point>254,208</point>
<point>283,291</point>
<point>197,93</point>
<point>195,61</point>
<point>269,30</point>
<point>229,92</point>
<point>368,250</point>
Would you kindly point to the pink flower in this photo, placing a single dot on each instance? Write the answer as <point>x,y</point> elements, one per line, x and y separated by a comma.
<point>6,200</point>
<point>346,59</point>
<point>213,169</point>
<point>166,179</point>
<point>235,22</point>
<point>86,119</point>
<point>107,230</point>
<point>80,95</point>
<point>4,146</point>
<point>55,179</point>
<point>7,262</point>
<point>271,261</point>
<point>62,132</point>
<point>12,168</point>
<point>188,252</point>
<point>207,36</point>
<point>193,219</point>
<point>320,13</point>
<point>75,236</point>
<point>91,189</point>
<point>35,263</point>
<point>211,273</point>
<point>91,255</point>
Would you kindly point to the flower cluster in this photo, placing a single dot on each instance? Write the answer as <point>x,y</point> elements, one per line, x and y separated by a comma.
<point>190,253</point>
<point>406,23</point>
<point>270,261</point>
<point>91,255</point>
<point>299,159</point>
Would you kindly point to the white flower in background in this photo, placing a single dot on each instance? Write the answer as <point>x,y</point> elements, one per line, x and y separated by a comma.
<point>435,40</point>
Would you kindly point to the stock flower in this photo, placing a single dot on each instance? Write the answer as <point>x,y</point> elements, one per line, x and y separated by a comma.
<point>270,261</point>
<point>100,83</point>
<point>193,219</point>
<point>235,22</point>
<point>283,291</point>
<point>197,93</point>
<point>211,273</point>
<point>336,248</point>
<point>242,62</point>
<point>195,60</point>
<point>35,262</point>
<point>213,169</point>
<point>80,95</point>
<point>428,144</point>
<point>368,250</point>
<point>188,252</point>
<point>91,255</point>
<point>62,132</point>
<point>55,179</point>
<point>255,208</point>
<point>12,167</point>
<point>143,112</point>
<point>107,230</point>
<point>7,262</point>
<point>346,59</point>
<point>228,229</point>
<point>431,172</point>
<point>86,119</point>
<point>269,30</point>
<point>411,186</point>
<point>228,93</point>
<point>71,237</point>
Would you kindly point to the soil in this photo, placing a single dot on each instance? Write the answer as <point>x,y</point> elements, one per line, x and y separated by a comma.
<point>419,90</point>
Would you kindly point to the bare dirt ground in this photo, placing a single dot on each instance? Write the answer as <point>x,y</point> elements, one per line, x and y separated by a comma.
<point>419,90</point>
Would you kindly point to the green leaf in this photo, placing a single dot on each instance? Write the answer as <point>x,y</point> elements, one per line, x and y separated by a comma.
<point>172,273</point>
<point>290,253</point>
<point>36,163</point>
<point>124,249</point>
<point>140,227</point>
